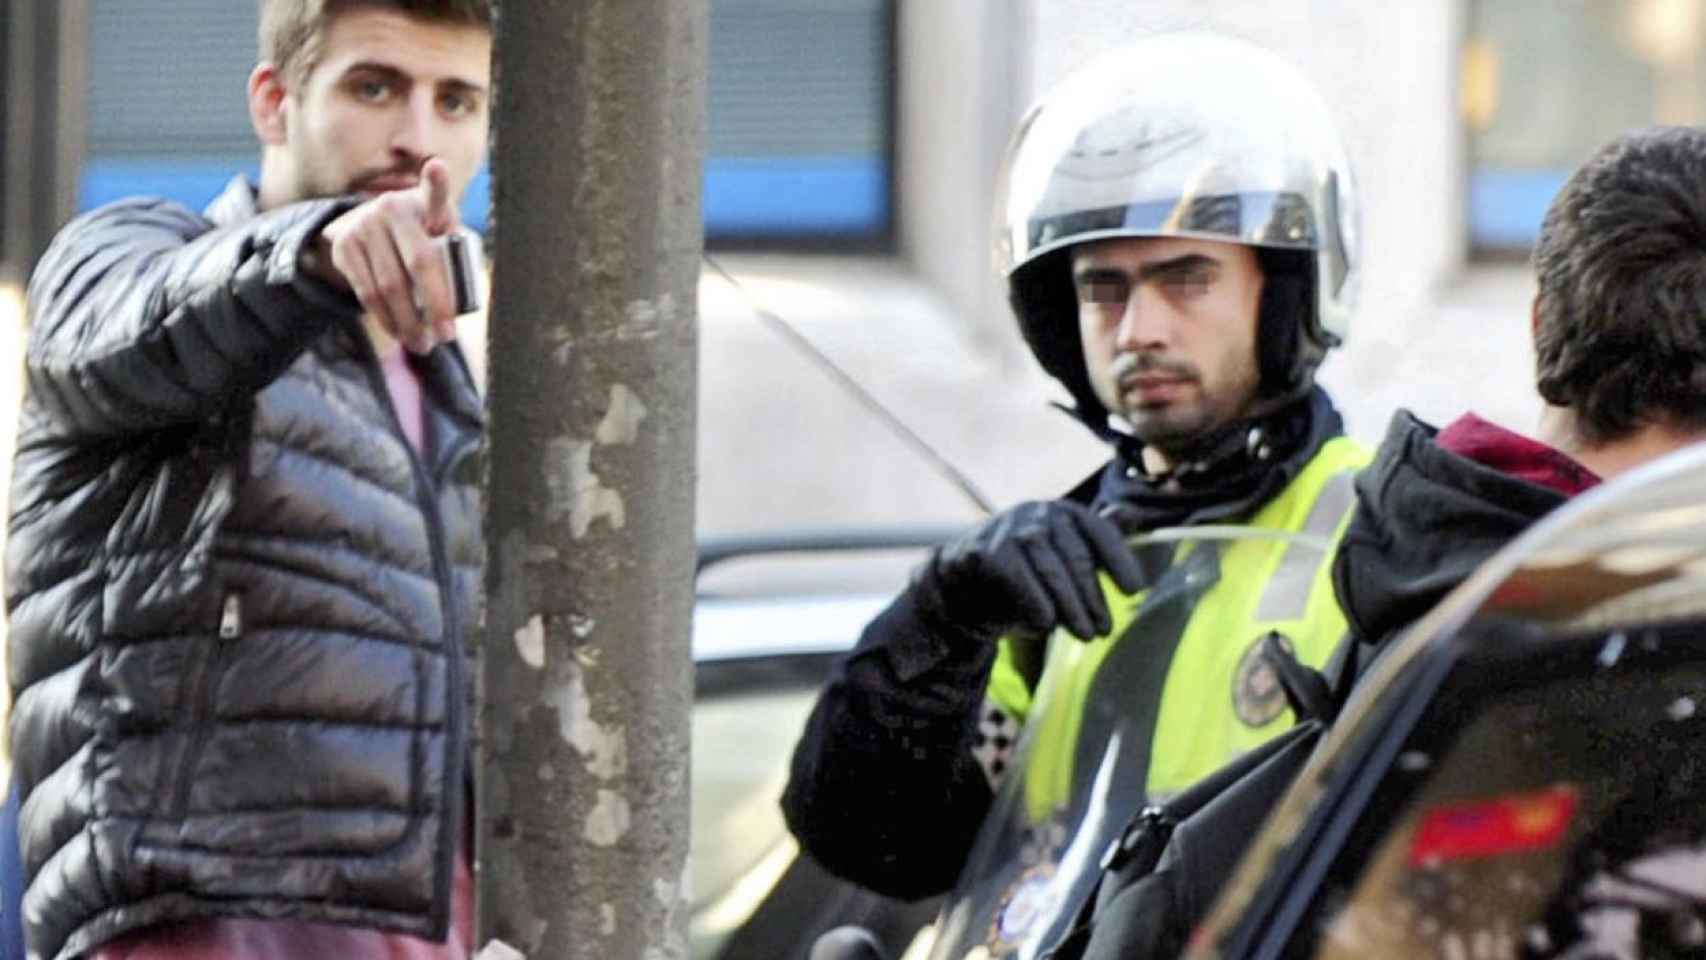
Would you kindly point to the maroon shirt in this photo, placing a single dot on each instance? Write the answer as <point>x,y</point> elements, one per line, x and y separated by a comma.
<point>1515,455</point>
<point>228,939</point>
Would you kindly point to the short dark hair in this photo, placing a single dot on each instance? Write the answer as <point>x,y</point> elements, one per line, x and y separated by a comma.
<point>291,31</point>
<point>1621,267</point>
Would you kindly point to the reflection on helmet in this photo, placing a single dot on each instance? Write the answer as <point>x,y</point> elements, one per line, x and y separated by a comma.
<point>1186,135</point>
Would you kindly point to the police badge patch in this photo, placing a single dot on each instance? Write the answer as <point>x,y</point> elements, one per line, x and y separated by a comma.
<point>1031,899</point>
<point>1257,697</point>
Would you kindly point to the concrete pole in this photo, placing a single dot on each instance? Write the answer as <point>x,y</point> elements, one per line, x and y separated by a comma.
<point>587,677</point>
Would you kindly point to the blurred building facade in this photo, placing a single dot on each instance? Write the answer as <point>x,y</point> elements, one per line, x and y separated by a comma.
<point>854,151</point>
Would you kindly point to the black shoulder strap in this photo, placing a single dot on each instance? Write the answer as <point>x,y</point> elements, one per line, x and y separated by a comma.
<point>1135,853</point>
<point>1314,696</point>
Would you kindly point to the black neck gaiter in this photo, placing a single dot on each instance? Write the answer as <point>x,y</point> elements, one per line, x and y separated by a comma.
<point>1244,467</point>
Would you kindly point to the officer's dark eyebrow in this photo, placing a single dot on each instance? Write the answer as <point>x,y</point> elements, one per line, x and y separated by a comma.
<point>1186,263</point>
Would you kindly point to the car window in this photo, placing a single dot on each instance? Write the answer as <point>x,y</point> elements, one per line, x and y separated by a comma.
<point>771,615</point>
<point>1544,806</point>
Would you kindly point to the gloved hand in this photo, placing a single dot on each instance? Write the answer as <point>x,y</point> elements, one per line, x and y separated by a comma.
<point>1030,568</point>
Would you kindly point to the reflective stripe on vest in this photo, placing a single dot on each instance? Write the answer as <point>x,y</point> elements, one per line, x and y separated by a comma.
<point>1220,700</point>
<point>1288,589</point>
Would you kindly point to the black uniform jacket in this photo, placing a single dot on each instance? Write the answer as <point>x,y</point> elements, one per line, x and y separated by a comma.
<point>884,789</point>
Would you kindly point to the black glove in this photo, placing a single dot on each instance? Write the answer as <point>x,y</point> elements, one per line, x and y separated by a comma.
<point>1031,568</point>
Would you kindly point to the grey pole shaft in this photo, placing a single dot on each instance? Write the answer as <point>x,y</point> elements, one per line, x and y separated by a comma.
<point>587,675</point>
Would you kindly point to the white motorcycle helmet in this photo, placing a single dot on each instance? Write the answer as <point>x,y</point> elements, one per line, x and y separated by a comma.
<point>1183,135</point>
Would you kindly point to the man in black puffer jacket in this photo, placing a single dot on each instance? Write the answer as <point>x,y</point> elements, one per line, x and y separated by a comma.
<point>245,547</point>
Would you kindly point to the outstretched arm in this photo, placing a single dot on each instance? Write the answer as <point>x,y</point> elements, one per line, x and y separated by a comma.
<point>143,315</point>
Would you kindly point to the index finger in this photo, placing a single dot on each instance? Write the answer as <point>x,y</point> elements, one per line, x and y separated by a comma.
<point>425,268</point>
<point>1111,550</point>
<point>440,215</point>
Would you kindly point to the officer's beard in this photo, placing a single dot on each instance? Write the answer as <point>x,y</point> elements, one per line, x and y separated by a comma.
<point>1191,424</point>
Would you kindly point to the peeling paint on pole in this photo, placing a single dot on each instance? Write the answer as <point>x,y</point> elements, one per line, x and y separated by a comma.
<point>609,820</point>
<point>577,492</point>
<point>644,319</point>
<point>530,642</point>
<point>498,950</point>
<point>621,425</point>
<point>604,748</point>
<point>672,897</point>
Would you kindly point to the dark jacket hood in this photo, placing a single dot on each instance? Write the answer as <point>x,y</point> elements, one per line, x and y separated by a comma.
<point>1425,519</point>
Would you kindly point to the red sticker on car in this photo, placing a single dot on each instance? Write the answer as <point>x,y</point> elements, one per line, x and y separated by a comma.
<point>1486,828</point>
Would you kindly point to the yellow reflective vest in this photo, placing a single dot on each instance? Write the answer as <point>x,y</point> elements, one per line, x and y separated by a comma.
<point>1215,701</point>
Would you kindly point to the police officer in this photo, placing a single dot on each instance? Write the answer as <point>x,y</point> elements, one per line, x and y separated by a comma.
<point>1177,232</point>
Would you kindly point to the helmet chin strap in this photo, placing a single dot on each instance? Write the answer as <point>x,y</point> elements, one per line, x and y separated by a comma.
<point>1212,454</point>
<point>1215,453</point>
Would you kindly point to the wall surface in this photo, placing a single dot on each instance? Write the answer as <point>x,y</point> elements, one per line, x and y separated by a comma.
<point>960,85</point>
<point>928,330</point>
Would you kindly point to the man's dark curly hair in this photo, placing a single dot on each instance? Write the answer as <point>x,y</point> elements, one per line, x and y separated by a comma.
<point>1621,265</point>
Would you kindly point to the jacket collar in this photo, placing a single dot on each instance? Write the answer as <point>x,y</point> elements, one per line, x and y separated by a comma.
<point>1515,455</point>
<point>451,382</point>
<point>239,201</point>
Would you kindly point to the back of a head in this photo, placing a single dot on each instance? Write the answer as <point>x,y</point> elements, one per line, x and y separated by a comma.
<point>1620,338</point>
<point>291,30</point>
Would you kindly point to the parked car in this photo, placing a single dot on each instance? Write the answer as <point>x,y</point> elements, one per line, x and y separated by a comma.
<point>772,612</point>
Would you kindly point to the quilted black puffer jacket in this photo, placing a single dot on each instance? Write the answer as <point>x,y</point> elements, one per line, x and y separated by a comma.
<point>237,596</point>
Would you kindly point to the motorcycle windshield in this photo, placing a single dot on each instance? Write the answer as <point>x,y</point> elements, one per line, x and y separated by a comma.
<point>1087,760</point>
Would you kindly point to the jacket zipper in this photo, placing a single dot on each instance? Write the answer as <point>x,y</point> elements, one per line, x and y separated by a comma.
<point>427,500</point>
<point>230,629</point>
<point>231,617</point>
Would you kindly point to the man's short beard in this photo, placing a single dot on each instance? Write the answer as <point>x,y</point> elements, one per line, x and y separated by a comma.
<point>311,184</point>
<point>1186,435</point>
<point>1171,437</point>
